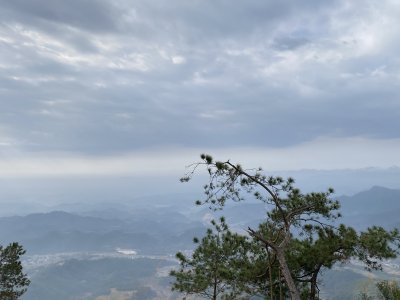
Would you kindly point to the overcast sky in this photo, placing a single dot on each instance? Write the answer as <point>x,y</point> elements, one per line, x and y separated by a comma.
<point>115,87</point>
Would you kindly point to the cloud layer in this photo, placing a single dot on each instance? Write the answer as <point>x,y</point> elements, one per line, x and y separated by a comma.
<point>106,78</point>
<point>321,154</point>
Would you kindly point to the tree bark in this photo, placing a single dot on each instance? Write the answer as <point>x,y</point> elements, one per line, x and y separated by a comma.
<point>271,290</point>
<point>293,291</point>
<point>313,289</point>
<point>215,289</point>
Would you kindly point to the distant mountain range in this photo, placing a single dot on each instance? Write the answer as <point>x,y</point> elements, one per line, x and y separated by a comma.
<point>160,227</point>
<point>376,206</point>
<point>65,232</point>
<point>27,195</point>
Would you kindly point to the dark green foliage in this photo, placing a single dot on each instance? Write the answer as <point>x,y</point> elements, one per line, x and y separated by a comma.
<point>214,267</point>
<point>288,251</point>
<point>389,290</point>
<point>376,244</point>
<point>386,290</point>
<point>13,282</point>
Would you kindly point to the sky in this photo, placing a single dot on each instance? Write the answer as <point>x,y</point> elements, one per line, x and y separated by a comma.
<point>112,88</point>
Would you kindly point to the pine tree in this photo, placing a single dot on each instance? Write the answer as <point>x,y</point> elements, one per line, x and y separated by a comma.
<point>389,290</point>
<point>297,239</point>
<point>13,282</point>
<point>213,268</point>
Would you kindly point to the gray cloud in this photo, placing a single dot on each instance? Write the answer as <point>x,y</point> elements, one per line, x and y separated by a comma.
<point>103,77</point>
<point>84,14</point>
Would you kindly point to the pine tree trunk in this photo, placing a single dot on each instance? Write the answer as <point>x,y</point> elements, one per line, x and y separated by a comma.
<point>215,289</point>
<point>313,290</point>
<point>293,291</point>
<point>271,289</point>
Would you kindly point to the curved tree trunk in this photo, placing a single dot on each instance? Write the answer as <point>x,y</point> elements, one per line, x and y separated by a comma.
<point>293,291</point>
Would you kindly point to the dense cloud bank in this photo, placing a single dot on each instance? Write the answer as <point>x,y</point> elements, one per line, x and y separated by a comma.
<point>110,77</point>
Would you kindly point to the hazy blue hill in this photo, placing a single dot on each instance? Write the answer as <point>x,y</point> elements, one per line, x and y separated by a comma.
<point>345,181</point>
<point>377,199</point>
<point>57,221</point>
<point>117,212</point>
<point>342,284</point>
<point>157,229</point>
<point>378,205</point>
<point>54,232</point>
<point>184,240</point>
<point>75,241</point>
<point>86,279</point>
<point>161,228</point>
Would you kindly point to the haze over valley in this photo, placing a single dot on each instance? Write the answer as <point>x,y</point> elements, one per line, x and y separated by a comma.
<point>128,247</point>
